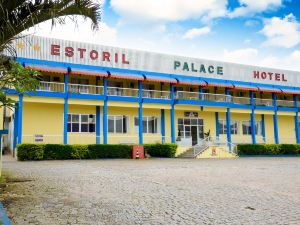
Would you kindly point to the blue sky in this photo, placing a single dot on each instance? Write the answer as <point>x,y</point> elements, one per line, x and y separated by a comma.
<point>259,32</point>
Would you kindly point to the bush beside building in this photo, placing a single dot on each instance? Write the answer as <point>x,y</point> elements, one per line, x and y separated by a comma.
<point>99,151</point>
<point>268,149</point>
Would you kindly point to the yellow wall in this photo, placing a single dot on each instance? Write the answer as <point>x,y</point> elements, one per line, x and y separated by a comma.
<point>269,126</point>
<point>286,129</point>
<point>1,118</point>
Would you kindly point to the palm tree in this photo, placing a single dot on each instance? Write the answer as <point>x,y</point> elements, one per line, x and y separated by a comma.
<point>19,15</point>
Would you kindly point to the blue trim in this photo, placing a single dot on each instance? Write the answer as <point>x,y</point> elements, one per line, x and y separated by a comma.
<point>105,111</point>
<point>253,133</point>
<point>15,127</point>
<point>111,69</point>
<point>20,119</point>
<point>66,106</point>
<point>163,130</point>
<point>275,119</point>
<point>140,112</point>
<point>172,112</point>
<point>97,124</point>
<point>263,127</point>
<point>217,124</point>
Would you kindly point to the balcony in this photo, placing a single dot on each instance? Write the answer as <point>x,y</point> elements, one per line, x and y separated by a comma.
<point>51,86</point>
<point>156,94</point>
<point>85,89</point>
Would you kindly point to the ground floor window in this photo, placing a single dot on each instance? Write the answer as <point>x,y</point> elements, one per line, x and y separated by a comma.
<point>247,127</point>
<point>150,125</point>
<point>234,127</point>
<point>81,123</point>
<point>118,124</point>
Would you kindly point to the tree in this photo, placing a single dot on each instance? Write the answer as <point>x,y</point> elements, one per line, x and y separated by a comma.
<point>19,15</point>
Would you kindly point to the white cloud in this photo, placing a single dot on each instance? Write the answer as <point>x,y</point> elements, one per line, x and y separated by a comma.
<point>243,56</point>
<point>196,32</point>
<point>290,62</point>
<point>168,10</point>
<point>250,7</point>
<point>81,32</point>
<point>282,32</point>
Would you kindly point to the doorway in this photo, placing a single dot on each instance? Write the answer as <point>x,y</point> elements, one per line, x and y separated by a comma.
<point>194,133</point>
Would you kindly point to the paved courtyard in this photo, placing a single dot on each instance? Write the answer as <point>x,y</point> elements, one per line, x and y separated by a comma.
<point>156,191</point>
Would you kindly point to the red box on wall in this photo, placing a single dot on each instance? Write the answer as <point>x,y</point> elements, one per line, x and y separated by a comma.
<point>138,152</point>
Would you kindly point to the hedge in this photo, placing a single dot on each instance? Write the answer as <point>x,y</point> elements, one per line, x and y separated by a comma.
<point>268,149</point>
<point>161,150</point>
<point>58,151</point>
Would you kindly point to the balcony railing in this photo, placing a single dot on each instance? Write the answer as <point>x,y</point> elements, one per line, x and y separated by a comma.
<point>156,94</point>
<point>85,89</point>
<point>125,92</point>
<point>51,86</point>
<point>285,103</point>
<point>264,102</point>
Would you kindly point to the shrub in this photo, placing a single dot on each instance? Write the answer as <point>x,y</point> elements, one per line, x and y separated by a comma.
<point>79,152</point>
<point>161,150</point>
<point>110,151</point>
<point>57,151</point>
<point>268,149</point>
<point>30,152</point>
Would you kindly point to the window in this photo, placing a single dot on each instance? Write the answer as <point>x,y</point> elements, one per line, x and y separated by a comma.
<point>81,123</point>
<point>234,127</point>
<point>150,125</point>
<point>185,127</point>
<point>118,124</point>
<point>247,127</point>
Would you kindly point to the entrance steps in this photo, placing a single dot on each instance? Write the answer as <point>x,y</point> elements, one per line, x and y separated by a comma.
<point>206,152</point>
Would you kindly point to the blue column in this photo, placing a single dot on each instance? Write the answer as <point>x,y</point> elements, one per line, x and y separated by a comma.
<point>275,119</point>
<point>140,112</point>
<point>20,119</point>
<point>228,123</point>
<point>295,97</point>
<point>15,127</point>
<point>173,139</point>
<point>97,124</point>
<point>105,111</point>
<point>65,131</point>
<point>162,122</point>
<point>263,128</point>
<point>217,125</point>
<point>252,120</point>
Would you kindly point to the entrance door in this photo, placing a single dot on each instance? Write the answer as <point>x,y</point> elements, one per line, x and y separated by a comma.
<point>194,133</point>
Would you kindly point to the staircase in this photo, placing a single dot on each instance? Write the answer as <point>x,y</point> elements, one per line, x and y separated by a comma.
<point>210,148</point>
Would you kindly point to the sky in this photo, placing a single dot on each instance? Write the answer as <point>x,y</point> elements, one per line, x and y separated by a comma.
<point>255,32</point>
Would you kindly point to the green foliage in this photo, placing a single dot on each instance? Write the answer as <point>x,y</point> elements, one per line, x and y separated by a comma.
<point>58,151</point>
<point>161,150</point>
<point>110,151</point>
<point>30,152</point>
<point>268,149</point>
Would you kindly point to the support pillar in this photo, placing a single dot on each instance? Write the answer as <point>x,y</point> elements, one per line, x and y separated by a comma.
<point>263,128</point>
<point>217,125</point>
<point>162,122</point>
<point>173,139</point>
<point>65,134</point>
<point>20,119</point>
<point>15,128</point>
<point>97,124</point>
<point>105,111</point>
<point>228,122</point>
<point>295,97</point>
<point>140,112</point>
<point>275,119</point>
<point>252,120</point>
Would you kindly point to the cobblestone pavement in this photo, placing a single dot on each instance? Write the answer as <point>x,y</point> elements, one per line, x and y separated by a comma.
<point>156,191</point>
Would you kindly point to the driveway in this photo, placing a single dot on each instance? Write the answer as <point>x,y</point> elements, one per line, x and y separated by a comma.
<point>156,191</point>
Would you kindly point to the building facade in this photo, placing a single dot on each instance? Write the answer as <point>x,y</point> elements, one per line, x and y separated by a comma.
<point>99,94</point>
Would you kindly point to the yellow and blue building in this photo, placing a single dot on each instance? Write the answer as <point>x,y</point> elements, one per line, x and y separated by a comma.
<point>99,94</point>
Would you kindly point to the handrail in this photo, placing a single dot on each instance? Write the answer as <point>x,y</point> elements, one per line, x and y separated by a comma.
<point>205,146</point>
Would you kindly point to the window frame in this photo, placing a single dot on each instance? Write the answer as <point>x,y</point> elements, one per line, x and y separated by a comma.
<point>223,130</point>
<point>80,123</point>
<point>157,126</point>
<point>115,122</point>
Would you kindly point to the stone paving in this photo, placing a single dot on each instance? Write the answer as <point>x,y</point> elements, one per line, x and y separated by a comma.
<point>156,191</point>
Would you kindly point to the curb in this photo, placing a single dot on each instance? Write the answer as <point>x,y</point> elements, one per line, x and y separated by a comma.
<point>3,215</point>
